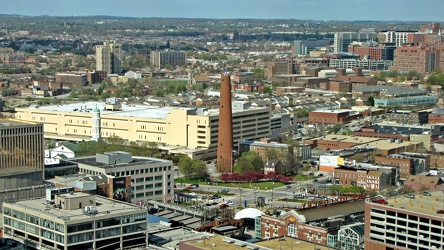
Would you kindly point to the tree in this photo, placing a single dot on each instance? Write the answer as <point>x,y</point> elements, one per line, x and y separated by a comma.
<point>199,169</point>
<point>29,99</point>
<point>370,101</point>
<point>115,140</point>
<point>337,126</point>
<point>186,166</point>
<point>243,165</point>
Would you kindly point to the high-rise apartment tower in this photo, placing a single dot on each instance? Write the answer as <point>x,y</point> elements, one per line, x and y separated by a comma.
<point>108,58</point>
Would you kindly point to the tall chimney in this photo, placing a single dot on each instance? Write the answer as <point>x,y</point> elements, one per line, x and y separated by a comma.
<point>225,134</point>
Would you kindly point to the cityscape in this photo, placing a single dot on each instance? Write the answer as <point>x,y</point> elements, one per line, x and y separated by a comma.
<point>213,132</point>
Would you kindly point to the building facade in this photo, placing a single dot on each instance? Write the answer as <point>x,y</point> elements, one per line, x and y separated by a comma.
<point>344,39</point>
<point>160,59</point>
<point>193,131</point>
<point>109,58</point>
<point>21,144</point>
<point>404,223</point>
<point>151,178</point>
<point>75,221</point>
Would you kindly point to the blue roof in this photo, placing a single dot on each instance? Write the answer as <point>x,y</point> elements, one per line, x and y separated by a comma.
<point>156,219</point>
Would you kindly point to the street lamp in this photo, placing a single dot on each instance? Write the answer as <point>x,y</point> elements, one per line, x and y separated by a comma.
<point>240,196</point>
<point>272,192</point>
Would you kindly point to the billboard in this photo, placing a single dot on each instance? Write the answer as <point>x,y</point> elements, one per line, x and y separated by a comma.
<point>121,189</point>
<point>330,160</point>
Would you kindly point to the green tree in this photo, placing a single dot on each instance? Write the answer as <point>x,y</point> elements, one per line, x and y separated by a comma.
<point>370,101</point>
<point>243,165</point>
<point>200,169</point>
<point>186,166</point>
<point>115,140</point>
<point>29,99</point>
<point>337,126</point>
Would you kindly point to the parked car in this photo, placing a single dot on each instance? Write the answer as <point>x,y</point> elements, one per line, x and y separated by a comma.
<point>380,201</point>
<point>288,187</point>
<point>216,196</point>
<point>425,193</point>
<point>223,205</point>
<point>191,187</point>
<point>230,202</point>
<point>410,196</point>
<point>225,190</point>
<point>197,185</point>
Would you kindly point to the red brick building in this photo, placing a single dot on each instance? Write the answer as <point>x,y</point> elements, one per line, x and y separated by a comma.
<point>322,117</point>
<point>404,164</point>
<point>437,116</point>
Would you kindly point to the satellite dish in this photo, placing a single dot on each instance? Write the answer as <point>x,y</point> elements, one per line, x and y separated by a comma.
<point>205,113</point>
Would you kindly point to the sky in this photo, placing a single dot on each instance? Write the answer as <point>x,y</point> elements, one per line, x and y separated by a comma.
<point>348,10</point>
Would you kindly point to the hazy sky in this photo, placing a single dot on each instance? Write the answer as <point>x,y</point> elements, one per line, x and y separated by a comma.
<point>406,10</point>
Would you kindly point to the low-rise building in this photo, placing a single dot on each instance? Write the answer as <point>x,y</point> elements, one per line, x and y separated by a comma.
<point>76,221</point>
<point>151,178</point>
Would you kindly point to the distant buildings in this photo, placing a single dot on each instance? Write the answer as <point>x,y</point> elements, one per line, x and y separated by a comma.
<point>281,67</point>
<point>344,39</point>
<point>109,58</point>
<point>160,59</point>
<point>306,46</point>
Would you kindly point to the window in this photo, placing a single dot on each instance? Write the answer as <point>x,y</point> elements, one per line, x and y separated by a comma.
<point>292,229</point>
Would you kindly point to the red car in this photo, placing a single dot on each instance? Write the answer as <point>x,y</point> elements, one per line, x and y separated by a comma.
<point>223,205</point>
<point>380,201</point>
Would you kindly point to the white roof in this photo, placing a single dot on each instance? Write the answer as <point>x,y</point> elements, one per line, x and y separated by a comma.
<point>248,213</point>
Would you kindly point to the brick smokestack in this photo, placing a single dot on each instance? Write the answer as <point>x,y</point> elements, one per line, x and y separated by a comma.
<point>225,134</point>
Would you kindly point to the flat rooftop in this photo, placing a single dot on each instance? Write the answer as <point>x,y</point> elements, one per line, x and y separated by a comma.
<point>91,161</point>
<point>348,138</point>
<point>130,110</point>
<point>335,111</point>
<point>430,204</point>
<point>104,206</point>
<point>222,243</point>
<point>18,171</point>
<point>13,122</point>
<point>145,111</point>
<point>384,145</point>
<point>398,130</point>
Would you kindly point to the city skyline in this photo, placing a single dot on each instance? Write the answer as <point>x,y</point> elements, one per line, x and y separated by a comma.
<point>346,10</point>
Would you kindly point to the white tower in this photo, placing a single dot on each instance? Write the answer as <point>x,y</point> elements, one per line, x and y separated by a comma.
<point>96,134</point>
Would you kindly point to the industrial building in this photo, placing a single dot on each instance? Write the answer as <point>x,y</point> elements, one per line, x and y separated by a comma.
<point>76,221</point>
<point>190,131</point>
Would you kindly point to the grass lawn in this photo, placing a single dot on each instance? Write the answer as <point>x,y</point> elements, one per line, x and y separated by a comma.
<point>259,185</point>
<point>304,177</point>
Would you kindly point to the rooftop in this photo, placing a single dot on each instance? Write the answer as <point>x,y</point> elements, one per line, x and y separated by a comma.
<point>348,138</point>
<point>340,111</point>
<point>430,204</point>
<point>13,122</point>
<point>104,206</point>
<point>136,160</point>
<point>385,145</point>
<point>392,90</point>
<point>223,243</point>
<point>130,110</point>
